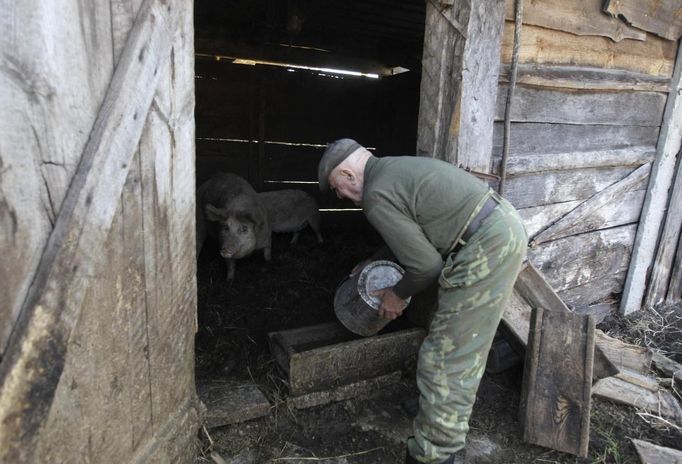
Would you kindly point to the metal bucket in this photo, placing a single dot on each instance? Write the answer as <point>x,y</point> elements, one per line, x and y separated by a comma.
<point>354,305</point>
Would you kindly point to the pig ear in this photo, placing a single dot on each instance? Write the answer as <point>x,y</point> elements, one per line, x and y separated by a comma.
<point>215,214</point>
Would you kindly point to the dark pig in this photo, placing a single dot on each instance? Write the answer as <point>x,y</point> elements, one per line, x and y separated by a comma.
<point>228,209</point>
<point>291,211</point>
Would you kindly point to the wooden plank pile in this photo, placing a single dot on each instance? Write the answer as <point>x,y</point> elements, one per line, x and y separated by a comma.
<point>564,354</point>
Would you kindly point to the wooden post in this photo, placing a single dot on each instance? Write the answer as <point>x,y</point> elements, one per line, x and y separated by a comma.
<point>557,381</point>
<point>657,195</point>
<point>460,68</point>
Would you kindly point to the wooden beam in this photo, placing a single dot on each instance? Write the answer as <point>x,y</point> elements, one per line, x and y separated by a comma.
<point>654,454</point>
<point>555,402</point>
<point>459,82</point>
<point>663,17</point>
<point>626,211</point>
<point>33,364</point>
<point>654,56</point>
<point>667,245</point>
<point>660,402</point>
<point>657,195</point>
<point>631,156</point>
<point>230,404</point>
<point>580,17</point>
<point>579,214</point>
<point>536,104</point>
<point>575,77</point>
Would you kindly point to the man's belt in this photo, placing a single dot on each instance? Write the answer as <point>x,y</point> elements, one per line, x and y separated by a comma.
<point>475,223</point>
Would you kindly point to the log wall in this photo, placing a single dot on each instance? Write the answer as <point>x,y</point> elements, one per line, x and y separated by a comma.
<point>586,113</point>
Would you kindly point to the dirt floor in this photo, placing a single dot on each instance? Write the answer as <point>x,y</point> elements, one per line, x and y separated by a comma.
<point>296,289</point>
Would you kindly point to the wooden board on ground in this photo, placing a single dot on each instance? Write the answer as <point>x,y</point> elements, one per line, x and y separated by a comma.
<point>669,367</point>
<point>229,404</point>
<point>654,454</point>
<point>557,381</point>
<point>327,356</point>
<point>532,290</point>
<point>659,403</point>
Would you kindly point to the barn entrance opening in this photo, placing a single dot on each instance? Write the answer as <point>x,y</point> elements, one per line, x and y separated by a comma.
<point>275,82</point>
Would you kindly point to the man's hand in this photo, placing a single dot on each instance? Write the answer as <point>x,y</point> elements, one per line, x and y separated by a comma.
<point>391,305</point>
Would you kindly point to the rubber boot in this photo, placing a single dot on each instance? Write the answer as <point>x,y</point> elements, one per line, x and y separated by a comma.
<point>457,458</point>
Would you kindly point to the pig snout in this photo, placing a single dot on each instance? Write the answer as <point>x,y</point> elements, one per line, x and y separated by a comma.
<point>226,252</point>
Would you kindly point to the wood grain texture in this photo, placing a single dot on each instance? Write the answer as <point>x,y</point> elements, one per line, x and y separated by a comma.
<point>660,402</point>
<point>575,77</point>
<point>656,198</point>
<point>580,17</point>
<point>654,454</point>
<point>324,357</point>
<point>663,264</point>
<point>662,17</point>
<point>580,259</point>
<point>619,213</point>
<point>654,55</point>
<point>537,189</point>
<point>230,404</point>
<point>557,381</point>
<point>52,307</point>
<point>543,138</point>
<point>41,135</point>
<point>542,105</point>
<point>632,156</point>
<point>586,209</point>
<point>459,81</point>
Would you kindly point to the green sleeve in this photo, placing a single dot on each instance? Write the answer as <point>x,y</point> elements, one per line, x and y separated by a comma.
<point>407,241</point>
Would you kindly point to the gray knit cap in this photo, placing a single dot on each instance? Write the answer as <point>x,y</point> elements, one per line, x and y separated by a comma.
<point>335,153</point>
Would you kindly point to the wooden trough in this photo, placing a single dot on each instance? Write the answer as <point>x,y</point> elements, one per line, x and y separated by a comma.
<point>326,362</point>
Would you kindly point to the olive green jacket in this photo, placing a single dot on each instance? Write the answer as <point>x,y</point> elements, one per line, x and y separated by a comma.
<point>420,206</point>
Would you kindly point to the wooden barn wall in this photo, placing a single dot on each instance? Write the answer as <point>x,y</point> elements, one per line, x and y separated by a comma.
<point>296,113</point>
<point>586,113</point>
<point>126,391</point>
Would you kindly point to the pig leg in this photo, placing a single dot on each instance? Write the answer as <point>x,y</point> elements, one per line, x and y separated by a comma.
<point>230,268</point>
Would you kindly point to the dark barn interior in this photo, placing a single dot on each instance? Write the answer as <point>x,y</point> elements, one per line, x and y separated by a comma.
<point>275,82</point>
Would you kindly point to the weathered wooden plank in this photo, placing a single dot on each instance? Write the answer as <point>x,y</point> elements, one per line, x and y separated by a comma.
<point>230,404</point>
<point>579,259</point>
<point>550,187</point>
<point>168,187</point>
<point>656,198</point>
<point>326,356</point>
<point>669,367</point>
<point>517,314</point>
<point>541,138</point>
<point>600,311</point>
<point>358,390</point>
<point>587,208</point>
<point>625,211</point>
<point>663,18</point>
<point>654,454</point>
<point>580,17</point>
<point>602,288</point>
<point>574,77</point>
<point>41,135</point>
<point>459,81</point>
<point>631,156</point>
<point>654,56</point>
<point>537,104</point>
<point>36,355</point>
<point>661,402</point>
<point>667,245</point>
<point>625,355</point>
<point>557,381</point>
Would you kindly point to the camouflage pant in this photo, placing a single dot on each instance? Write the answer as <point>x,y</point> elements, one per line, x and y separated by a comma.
<point>474,285</point>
